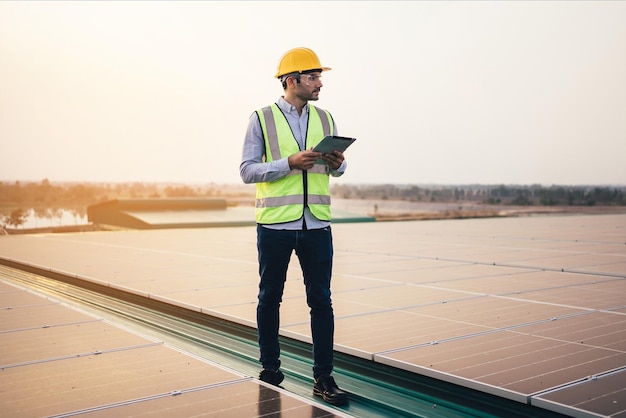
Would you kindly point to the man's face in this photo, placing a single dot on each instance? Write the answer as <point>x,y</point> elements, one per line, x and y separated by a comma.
<point>309,86</point>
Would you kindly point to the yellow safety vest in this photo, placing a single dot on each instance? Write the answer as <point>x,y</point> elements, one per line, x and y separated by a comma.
<point>284,200</point>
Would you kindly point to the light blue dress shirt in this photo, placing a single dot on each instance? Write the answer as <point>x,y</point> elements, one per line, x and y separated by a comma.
<point>254,170</point>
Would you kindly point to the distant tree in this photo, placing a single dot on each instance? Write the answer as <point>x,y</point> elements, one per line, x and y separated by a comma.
<point>41,213</point>
<point>56,213</point>
<point>521,200</point>
<point>80,194</point>
<point>17,217</point>
<point>180,191</point>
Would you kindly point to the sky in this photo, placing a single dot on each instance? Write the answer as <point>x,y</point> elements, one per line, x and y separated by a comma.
<point>460,92</point>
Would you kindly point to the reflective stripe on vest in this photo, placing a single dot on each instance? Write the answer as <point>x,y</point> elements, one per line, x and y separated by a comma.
<point>283,200</point>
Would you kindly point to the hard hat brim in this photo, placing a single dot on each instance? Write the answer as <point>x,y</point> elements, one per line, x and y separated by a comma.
<point>278,75</point>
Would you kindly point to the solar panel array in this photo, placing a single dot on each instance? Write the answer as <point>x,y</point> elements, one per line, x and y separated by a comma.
<point>50,367</point>
<point>530,308</point>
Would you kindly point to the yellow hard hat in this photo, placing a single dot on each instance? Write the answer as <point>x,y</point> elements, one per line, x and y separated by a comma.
<point>298,60</point>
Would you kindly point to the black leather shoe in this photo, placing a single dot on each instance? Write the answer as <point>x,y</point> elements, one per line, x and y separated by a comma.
<point>326,387</point>
<point>273,377</point>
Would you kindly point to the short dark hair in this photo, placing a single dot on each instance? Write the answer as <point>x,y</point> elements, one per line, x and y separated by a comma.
<point>284,77</point>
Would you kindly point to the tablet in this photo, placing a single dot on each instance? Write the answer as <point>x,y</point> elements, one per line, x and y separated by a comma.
<point>331,143</point>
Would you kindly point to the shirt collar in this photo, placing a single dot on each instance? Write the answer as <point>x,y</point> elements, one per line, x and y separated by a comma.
<point>287,107</point>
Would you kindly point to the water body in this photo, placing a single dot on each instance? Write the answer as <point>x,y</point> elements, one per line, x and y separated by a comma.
<point>60,217</point>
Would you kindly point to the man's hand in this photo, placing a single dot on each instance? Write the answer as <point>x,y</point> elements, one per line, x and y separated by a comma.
<point>333,160</point>
<point>304,160</point>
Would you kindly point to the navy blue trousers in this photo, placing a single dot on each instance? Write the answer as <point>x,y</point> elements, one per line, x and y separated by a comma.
<point>314,249</point>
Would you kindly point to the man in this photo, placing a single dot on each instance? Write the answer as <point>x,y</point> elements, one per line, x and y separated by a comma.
<point>293,212</point>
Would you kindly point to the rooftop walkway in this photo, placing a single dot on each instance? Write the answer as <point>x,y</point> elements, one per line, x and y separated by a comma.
<point>531,309</point>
